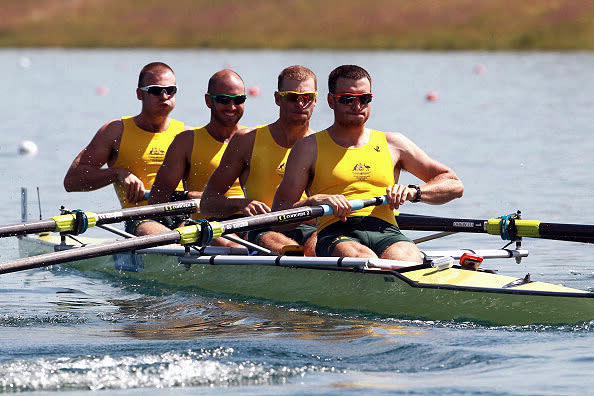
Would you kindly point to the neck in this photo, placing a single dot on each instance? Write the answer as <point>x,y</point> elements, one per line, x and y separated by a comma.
<point>220,132</point>
<point>286,134</point>
<point>152,123</point>
<point>349,136</point>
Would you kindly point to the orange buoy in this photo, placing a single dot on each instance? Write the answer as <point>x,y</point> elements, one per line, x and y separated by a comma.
<point>254,90</point>
<point>480,69</point>
<point>101,90</point>
<point>432,96</point>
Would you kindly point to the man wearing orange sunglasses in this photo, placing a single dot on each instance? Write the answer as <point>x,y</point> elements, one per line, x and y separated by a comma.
<point>196,153</point>
<point>349,161</point>
<point>258,159</point>
<point>133,148</point>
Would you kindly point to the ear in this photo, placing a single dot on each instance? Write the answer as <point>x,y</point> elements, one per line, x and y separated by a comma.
<point>208,101</point>
<point>277,98</point>
<point>331,101</point>
<point>138,94</point>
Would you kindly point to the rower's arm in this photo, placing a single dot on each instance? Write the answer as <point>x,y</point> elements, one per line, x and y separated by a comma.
<point>441,183</point>
<point>299,173</point>
<point>86,173</point>
<point>234,164</point>
<point>175,167</point>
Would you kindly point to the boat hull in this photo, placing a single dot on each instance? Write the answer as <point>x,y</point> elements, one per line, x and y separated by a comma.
<point>426,294</point>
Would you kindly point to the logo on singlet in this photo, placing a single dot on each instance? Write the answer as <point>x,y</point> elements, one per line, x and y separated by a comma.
<point>281,169</point>
<point>156,154</point>
<point>377,148</point>
<point>361,171</point>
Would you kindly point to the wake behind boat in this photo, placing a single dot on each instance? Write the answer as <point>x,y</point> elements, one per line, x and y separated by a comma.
<point>434,290</point>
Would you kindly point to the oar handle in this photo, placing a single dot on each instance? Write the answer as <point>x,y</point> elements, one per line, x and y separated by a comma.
<point>357,204</point>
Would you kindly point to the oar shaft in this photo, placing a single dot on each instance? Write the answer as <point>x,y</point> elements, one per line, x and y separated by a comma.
<point>291,215</point>
<point>89,251</point>
<point>185,235</point>
<point>66,222</point>
<point>442,224</point>
<point>522,228</point>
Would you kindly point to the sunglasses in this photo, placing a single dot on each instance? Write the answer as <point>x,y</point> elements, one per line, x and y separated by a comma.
<point>293,96</point>
<point>348,98</point>
<point>157,90</point>
<point>226,99</point>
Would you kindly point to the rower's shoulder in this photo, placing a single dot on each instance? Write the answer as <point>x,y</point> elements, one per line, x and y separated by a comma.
<point>396,138</point>
<point>186,135</point>
<point>111,131</point>
<point>244,136</point>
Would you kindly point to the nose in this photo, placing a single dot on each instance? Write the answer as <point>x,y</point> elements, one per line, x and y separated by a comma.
<point>357,103</point>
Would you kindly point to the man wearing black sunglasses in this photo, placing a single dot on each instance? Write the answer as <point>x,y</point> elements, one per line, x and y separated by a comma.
<point>133,148</point>
<point>349,161</point>
<point>196,153</point>
<point>258,158</point>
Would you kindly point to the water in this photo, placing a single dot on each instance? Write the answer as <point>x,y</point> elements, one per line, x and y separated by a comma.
<point>518,135</point>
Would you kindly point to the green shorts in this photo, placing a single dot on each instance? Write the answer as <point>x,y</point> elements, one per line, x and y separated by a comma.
<point>372,232</point>
<point>299,234</point>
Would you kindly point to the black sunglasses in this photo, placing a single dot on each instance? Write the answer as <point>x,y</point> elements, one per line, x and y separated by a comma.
<point>226,99</point>
<point>348,98</point>
<point>157,90</point>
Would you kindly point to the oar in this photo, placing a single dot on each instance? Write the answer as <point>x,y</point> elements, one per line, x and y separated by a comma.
<point>202,233</point>
<point>507,227</point>
<point>72,221</point>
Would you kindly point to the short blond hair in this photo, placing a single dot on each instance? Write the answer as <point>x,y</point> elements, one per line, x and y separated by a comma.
<point>297,73</point>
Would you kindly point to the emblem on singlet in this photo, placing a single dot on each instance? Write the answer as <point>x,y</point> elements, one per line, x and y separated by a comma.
<point>281,169</point>
<point>156,154</point>
<point>361,171</point>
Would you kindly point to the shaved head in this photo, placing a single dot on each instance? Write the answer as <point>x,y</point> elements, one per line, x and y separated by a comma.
<point>221,80</point>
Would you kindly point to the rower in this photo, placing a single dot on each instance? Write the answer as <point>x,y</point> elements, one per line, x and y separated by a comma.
<point>196,153</point>
<point>133,149</point>
<point>258,159</point>
<point>348,161</point>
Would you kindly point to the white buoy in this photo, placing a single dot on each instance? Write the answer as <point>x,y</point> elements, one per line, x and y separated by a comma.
<point>28,148</point>
<point>25,62</point>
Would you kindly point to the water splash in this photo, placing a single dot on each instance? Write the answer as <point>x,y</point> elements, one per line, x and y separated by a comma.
<point>204,367</point>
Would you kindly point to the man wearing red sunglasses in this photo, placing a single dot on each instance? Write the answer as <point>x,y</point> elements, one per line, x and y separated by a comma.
<point>133,148</point>
<point>258,159</point>
<point>196,153</point>
<point>349,161</point>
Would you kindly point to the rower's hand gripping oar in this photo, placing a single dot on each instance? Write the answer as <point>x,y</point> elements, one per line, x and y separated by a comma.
<point>80,221</point>
<point>202,233</point>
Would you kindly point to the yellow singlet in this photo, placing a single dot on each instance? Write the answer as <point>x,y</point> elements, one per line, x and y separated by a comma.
<point>267,167</point>
<point>206,157</point>
<point>356,173</point>
<point>142,153</point>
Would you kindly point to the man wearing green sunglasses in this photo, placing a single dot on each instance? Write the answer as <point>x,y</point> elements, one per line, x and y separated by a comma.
<point>258,159</point>
<point>350,161</point>
<point>196,153</point>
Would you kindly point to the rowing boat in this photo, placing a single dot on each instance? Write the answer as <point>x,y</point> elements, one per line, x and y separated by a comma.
<point>429,291</point>
<point>395,289</point>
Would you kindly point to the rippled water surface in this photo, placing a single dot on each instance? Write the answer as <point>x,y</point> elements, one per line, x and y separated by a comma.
<point>519,136</point>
